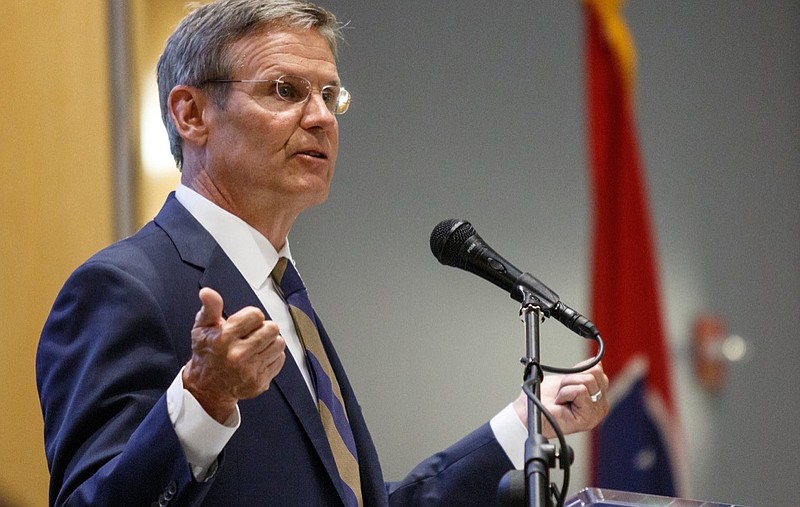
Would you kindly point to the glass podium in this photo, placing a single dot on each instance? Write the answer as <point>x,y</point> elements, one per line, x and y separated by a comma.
<point>596,497</point>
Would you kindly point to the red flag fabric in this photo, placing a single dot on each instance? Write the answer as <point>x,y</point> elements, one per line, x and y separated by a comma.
<point>636,448</point>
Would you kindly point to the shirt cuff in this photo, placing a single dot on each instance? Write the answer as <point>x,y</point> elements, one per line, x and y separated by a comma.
<point>511,434</point>
<point>200,435</point>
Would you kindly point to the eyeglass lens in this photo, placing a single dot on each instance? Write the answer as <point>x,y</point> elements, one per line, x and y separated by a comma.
<point>297,89</point>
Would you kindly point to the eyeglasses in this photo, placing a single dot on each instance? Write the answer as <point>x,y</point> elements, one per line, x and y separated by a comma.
<point>295,90</point>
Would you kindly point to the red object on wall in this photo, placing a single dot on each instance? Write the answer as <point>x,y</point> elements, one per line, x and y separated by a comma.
<point>710,365</point>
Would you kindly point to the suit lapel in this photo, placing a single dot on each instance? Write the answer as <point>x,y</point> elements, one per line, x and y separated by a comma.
<point>197,247</point>
<point>372,484</point>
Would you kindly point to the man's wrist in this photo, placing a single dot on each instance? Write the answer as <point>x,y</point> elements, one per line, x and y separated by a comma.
<point>219,408</point>
<point>201,436</point>
<point>511,434</point>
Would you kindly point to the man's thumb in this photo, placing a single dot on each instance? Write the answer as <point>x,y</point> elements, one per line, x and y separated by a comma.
<point>210,313</point>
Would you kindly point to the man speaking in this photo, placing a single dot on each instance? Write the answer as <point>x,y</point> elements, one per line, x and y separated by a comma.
<point>185,365</point>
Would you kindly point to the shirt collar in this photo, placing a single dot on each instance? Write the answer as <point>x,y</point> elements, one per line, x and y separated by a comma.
<point>251,252</point>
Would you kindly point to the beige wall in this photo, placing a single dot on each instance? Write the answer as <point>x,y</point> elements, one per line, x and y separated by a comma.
<point>55,199</point>
<point>152,22</point>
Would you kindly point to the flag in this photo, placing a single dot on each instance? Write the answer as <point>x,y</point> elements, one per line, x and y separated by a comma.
<point>637,446</point>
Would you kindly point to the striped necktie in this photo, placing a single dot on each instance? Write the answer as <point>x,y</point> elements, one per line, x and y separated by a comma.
<point>329,396</point>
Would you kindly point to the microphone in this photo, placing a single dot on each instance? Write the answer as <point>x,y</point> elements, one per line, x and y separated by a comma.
<point>455,243</point>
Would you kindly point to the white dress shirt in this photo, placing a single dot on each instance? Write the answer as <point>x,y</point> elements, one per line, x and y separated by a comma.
<point>202,437</point>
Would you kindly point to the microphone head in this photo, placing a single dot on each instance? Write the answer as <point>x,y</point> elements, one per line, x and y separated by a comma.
<point>447,238</point>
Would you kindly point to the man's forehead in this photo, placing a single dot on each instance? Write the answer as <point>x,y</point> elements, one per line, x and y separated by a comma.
<point>273,36</point>
<point>280,46</point>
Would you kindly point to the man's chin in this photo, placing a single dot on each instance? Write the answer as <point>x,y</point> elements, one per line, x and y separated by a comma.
<point>313,197</point>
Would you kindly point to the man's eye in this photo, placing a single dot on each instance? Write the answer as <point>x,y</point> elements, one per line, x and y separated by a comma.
<point>287,92</point>
<point>330,94</point>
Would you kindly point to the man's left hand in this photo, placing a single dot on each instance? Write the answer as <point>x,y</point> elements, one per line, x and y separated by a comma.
<point>577,401</point>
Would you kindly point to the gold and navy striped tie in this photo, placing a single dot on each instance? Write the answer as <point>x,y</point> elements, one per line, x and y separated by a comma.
<point>329,396</point>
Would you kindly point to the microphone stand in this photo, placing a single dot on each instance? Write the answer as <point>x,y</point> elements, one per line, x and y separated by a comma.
<point>531,483</point>
<point>537,461</point>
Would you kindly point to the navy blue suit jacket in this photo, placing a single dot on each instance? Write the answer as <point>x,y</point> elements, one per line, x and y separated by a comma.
<point>118,334</point>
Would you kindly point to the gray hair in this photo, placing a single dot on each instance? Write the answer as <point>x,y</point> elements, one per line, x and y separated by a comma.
<point>198,50</point>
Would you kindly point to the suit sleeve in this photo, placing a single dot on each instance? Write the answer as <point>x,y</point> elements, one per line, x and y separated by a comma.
<point>466,474</point>
<point>104,362</point>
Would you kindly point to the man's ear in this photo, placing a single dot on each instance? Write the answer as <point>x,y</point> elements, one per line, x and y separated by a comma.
<point>186,106</point>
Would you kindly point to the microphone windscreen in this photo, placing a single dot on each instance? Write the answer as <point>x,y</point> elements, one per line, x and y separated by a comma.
<point>447,238</point>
